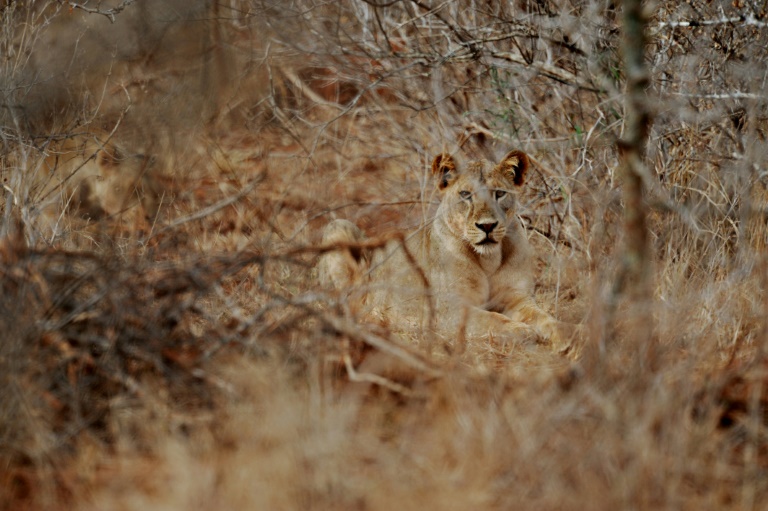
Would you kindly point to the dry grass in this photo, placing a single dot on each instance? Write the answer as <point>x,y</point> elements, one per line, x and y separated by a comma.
<point>189,360</point>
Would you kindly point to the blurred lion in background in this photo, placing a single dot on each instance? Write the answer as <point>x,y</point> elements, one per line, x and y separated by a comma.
<point>93,180</point>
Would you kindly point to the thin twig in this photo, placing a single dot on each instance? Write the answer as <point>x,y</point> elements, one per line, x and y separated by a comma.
<point>424,282</point>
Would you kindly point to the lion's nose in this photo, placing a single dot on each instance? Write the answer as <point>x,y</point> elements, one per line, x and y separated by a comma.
<point>487,227</point>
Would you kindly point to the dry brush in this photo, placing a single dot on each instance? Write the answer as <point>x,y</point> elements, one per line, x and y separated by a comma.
<point>187,358</point>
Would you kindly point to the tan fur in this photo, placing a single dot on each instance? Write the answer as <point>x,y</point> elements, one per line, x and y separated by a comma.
<point>95,181</point>
<point>475,257</point>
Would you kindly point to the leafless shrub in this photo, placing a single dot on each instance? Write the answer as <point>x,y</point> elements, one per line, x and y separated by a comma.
<point>89,340</point>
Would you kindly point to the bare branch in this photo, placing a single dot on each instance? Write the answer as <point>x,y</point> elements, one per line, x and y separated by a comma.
<point>548,70</point>
<point>213,208</point>
<point>109,13</point>
<point>725,95</point>
<point>400,352</point>
<point>745,19</point>
<point>358,377</point>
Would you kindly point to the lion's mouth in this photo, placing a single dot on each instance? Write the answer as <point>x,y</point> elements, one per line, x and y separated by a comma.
<point>488,241</point>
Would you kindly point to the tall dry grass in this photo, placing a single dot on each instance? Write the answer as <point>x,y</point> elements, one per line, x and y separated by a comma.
<point>188,360</point>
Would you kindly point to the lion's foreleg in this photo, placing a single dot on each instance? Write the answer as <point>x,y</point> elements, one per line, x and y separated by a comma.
<point>528,312</point>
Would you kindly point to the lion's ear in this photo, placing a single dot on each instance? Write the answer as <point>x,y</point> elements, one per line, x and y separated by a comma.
<point>515,165</point>
<point>444,167</point>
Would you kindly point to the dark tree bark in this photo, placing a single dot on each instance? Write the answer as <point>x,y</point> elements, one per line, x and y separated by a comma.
<point>633,142</point>
<point>635,275</point>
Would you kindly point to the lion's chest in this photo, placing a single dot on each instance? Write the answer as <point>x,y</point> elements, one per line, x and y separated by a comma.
<point>484,291</point>
<point>466,277</point>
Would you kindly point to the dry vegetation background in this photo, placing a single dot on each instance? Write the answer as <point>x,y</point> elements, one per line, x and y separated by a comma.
<point>167,167</point>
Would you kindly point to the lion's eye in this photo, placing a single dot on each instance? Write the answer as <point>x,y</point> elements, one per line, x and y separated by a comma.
<point>500,194</point>
<point>464,194</point>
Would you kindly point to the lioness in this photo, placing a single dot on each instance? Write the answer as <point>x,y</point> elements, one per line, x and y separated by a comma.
<point>94,180</point>
<point>475,257</point>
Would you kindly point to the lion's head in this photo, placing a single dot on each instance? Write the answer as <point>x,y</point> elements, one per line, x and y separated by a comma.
<point>478,200</point>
